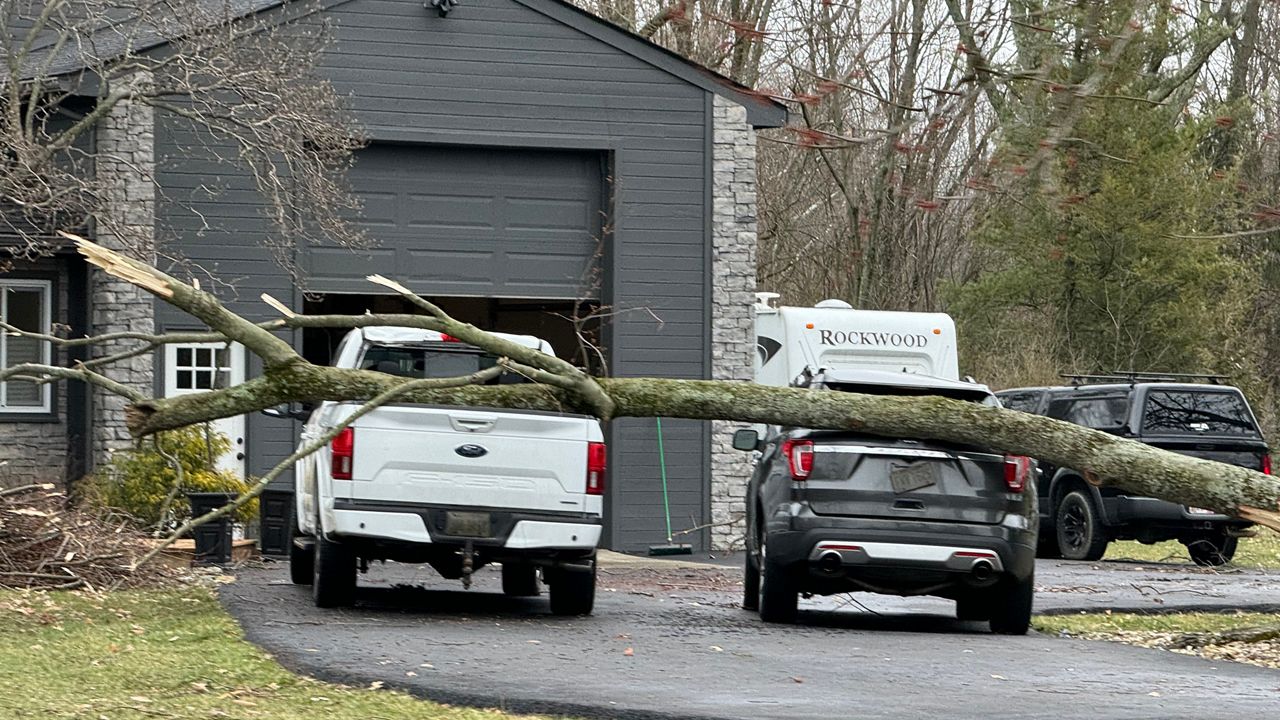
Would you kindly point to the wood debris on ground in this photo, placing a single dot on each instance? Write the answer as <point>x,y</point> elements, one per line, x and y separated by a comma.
<point>47,542</point>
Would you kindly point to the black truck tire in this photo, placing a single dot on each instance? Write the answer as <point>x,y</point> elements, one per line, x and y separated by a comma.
<point>1081,535</point>
<point>750,583</point>
<point>1212,550</point>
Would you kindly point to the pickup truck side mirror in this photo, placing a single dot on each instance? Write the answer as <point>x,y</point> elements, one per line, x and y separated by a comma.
<point>287,412</point>
<point>746,439</point>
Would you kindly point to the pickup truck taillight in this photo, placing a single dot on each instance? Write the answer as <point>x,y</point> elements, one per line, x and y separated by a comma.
<point>596,461</point>
<point>1017,468</point>
<point>799,454</point>
<point>1266,463</point>
<point>342,454</point>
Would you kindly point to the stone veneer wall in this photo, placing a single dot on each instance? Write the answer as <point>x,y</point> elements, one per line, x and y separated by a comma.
<point>37,451</point>
<point>126,170</point>
<point>733,275</point>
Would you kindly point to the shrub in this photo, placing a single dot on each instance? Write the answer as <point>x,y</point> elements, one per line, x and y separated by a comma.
<point>137,481</point>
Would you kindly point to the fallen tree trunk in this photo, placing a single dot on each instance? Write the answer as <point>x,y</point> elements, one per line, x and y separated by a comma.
<point>1102,458</point>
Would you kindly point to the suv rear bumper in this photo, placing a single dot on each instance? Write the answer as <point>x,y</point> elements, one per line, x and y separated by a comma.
<point>907,544</point>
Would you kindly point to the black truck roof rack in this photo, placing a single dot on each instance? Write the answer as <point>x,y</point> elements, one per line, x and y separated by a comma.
<point>1131,377</point>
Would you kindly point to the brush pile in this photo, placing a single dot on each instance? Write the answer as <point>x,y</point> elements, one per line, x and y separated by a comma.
<point>46,542</point>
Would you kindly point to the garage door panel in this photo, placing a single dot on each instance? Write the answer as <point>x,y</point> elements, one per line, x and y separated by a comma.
<point>495,222</point>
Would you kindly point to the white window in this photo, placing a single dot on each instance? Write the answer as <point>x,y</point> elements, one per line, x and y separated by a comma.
<point>26,305</point>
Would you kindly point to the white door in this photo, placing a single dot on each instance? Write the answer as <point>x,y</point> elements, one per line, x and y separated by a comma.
<point>198,367</point>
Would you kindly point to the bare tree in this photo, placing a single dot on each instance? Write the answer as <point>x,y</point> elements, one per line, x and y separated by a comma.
<point>234,75</point>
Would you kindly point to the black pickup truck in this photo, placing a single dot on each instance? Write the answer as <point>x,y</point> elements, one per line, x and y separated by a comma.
<point>1207,420</point>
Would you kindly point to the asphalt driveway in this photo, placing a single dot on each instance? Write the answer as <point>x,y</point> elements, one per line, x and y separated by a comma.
<point>669,640</point>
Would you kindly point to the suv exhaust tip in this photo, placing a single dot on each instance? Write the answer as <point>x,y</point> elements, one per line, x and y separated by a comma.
<point>830,562</point>
<point>982,570</point>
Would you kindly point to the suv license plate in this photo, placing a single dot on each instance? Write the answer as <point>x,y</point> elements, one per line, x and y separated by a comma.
<point>466,524</point>
<point>913,477</point>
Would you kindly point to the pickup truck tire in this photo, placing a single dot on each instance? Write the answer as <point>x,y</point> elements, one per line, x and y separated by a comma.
<point>302,562</point>
<point>1081,535</point>
<point>334,582</point>
<point>573,592</point>
<point>1212,550</point>
<point>519,580</point>
<point>778,594</point>
<point>1011,606</point>
<point>750,583</point>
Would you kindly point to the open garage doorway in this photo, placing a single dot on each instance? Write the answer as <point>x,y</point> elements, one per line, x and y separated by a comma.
<point>571,326</point>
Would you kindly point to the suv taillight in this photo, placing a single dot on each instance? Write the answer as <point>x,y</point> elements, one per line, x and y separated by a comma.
<point>342,454</point>
<point>1017,468</point>
<point>1266,463</point>
<point>799,454</point>
<point>596,461</point>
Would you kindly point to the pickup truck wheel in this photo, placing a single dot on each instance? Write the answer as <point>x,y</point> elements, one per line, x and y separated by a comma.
<point>334,582</point>
<point>1212,550</point>
<point>302,562</point>
<point>573,592</point>
<point>1011,606</point>
<point>1081,535</point>
<point>519,580</point>
<point>750,583</point>
<point>778,594</point>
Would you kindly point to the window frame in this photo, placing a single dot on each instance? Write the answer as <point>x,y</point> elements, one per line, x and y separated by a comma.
<point>46,288</point>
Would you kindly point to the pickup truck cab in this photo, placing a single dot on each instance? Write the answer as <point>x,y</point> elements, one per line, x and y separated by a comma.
<point>455,487</point>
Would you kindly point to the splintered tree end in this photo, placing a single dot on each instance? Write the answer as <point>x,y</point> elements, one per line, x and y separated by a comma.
<point>1266,518</point>
<point>117,265</point>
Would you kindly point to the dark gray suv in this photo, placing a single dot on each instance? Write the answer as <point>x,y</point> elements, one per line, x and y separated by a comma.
<point>834,512</point>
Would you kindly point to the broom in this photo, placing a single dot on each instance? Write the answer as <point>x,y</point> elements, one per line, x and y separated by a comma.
<point>668,548</point>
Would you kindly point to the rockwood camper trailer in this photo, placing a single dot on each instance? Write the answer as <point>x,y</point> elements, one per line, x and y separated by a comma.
<point>833,335</point>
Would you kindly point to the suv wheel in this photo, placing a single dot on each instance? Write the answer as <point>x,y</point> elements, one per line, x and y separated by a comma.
<point>1212,550</point>
<point>1081,535</point>
<point>573,591</point>
<point>1011,606</point>
<point>519,579</point>
<point>334,581</point>
<point>302,558</point>
<point>778,594</point>
<point>750,583</point>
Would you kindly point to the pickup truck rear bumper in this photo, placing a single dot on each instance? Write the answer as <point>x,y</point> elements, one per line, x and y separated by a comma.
<point>428,524</point>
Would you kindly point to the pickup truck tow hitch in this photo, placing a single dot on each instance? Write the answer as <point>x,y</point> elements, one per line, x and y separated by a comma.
<point>468,557</point>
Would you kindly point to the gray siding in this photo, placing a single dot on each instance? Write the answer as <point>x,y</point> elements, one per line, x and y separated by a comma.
<point>496,72</point>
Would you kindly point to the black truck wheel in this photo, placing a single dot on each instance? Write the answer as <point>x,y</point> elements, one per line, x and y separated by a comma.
<point>1212,550</point>
<point>1081,535</point>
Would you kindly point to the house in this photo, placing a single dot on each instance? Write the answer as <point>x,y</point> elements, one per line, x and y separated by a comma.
<point>513,144</point>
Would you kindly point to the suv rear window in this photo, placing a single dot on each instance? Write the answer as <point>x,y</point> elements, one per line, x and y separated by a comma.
<point>421,363</point>
<point>1185,412</point>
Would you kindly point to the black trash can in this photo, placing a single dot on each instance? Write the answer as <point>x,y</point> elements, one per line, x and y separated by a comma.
<point>213,539</point>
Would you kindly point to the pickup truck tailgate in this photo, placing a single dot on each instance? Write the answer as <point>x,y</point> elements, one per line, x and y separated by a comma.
<point>481,458</point>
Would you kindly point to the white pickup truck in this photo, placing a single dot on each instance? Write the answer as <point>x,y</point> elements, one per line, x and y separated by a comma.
<point>455,487</point>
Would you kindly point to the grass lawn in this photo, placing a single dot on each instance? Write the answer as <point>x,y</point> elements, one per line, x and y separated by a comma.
<point>1262,551</point>
<point>1252,638</point>
<point>164,654</point>
<point>1086,624</point>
